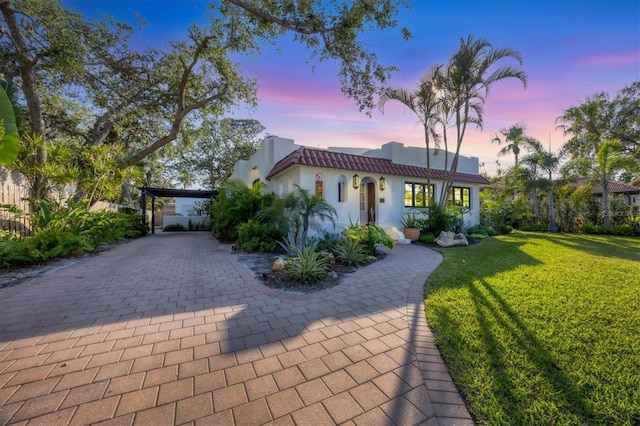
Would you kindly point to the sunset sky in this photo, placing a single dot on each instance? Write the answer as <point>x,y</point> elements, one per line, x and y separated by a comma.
<point>571,50</point>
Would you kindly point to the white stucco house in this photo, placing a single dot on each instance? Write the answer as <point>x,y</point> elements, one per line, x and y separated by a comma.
<point>374,186</point>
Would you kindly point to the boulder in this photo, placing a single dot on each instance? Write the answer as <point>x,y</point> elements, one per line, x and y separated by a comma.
<point>450,239</point>
<point>327,255</point>
<point>279,264</point>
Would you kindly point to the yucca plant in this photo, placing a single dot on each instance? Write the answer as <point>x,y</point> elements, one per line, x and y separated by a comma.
<point>351,252</point>
<point>306,265</point>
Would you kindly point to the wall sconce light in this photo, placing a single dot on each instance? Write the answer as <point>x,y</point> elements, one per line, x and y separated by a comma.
<point>356,183</point>
<point>382,183</point>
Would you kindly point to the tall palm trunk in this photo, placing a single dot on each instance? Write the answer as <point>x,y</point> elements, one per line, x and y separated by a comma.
<point>553,227</point>
<point>461,126</point>
<point>605,202</point>
<point>426,139</point>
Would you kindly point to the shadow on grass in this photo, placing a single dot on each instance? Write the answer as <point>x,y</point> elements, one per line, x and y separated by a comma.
<point>496,319</point>
<point>494,307</point>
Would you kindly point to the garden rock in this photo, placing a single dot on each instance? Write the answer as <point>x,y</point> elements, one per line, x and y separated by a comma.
<point>279,264</point>
<point>450,239</point>
<point>328,255</point>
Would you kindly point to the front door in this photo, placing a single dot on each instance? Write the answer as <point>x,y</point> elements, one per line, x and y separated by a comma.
<point>368,203</point>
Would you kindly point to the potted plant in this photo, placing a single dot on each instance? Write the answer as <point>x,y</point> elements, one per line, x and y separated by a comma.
<point>411,225</point>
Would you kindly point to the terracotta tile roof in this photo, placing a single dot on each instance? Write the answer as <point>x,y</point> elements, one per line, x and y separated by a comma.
<point>614,187</point>
<point>617,188</point>
<point>305,156</point>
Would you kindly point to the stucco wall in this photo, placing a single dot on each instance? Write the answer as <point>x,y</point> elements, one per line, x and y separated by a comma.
<point>388,204</point>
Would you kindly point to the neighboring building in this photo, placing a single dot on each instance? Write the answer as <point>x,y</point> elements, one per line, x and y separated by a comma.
<point>372,186</point>
<point>630,194</point>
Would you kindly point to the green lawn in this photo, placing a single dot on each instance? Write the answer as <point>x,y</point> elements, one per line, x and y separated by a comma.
<point>542,329</point>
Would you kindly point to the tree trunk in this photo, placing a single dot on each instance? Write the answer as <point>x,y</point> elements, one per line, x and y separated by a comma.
<point>605,203</point>
<point>552,211</point>
<point>536,209</point>
<point>426,139</point>
<point>30,90</point>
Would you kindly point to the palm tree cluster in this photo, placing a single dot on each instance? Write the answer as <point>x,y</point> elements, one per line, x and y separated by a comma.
<point>602,146</point>
<point>453,96</point>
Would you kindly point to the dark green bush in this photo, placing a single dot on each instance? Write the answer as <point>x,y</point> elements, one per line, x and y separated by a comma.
<point>482,229</point>
<point>235,205</point>
<point>427,238</point>
<point>173,227</point>
<point>534,227</point>
<point>589,228</point>
<point>326,243</point>
<point>256,236</point>
<point>504,229</point>
<point>68,230</point>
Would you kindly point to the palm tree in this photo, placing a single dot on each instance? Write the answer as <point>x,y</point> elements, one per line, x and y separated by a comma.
<point>302,209</point>
<point>587,124</point>
<point>533,182</point>
<point>424,102</point>
<point>610,160</point>
<point>549,162</point>
<point>514,138</point>
<point>470,73</point>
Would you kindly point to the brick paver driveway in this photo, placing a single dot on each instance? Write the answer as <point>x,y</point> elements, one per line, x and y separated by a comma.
<point>171,329</point>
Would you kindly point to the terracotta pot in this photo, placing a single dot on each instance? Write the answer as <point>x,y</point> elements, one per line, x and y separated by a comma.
<point>412,233</point>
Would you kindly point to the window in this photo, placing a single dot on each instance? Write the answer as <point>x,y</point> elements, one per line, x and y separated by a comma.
<point>460,196</point>
<point>417,195</point>
<point>342,189</point>
<point>319,185</point>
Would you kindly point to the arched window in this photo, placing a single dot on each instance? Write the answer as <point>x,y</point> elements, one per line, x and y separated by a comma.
<point>319,185</point>
<point>342,189</point>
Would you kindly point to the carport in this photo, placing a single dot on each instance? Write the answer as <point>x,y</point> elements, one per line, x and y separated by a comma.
<point>168,192</point>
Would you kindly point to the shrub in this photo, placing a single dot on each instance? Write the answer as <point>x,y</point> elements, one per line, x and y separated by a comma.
<point>368,235</point>
<point>534,227</point>
<point>589,228</point>
<point>427,238</point>
<point>235,205</point>
<point>307,266</point>
<point>351,252</point>
<point>485,230</point>
<point>504,229</point>
<point>327,242</point>
<point>622,230</point>
<point>172,227</point>
<point>256,236</point>
<point>65,230</point>
<point>478,236</point>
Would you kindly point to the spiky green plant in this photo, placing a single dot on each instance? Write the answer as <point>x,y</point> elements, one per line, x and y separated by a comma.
<point>351,252</point>
<point>306,265</point>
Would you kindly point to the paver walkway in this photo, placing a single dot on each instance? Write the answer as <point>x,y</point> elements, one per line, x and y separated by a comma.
<point>171,329</point>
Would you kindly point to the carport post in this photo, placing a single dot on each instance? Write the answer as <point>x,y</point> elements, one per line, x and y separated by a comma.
<point>143,207</point>
<point>153,214</point>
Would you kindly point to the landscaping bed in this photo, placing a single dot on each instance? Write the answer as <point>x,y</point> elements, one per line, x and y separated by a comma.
<point>261,265</point>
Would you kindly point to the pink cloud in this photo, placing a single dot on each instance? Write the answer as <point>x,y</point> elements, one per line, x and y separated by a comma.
<point>611,60</point>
